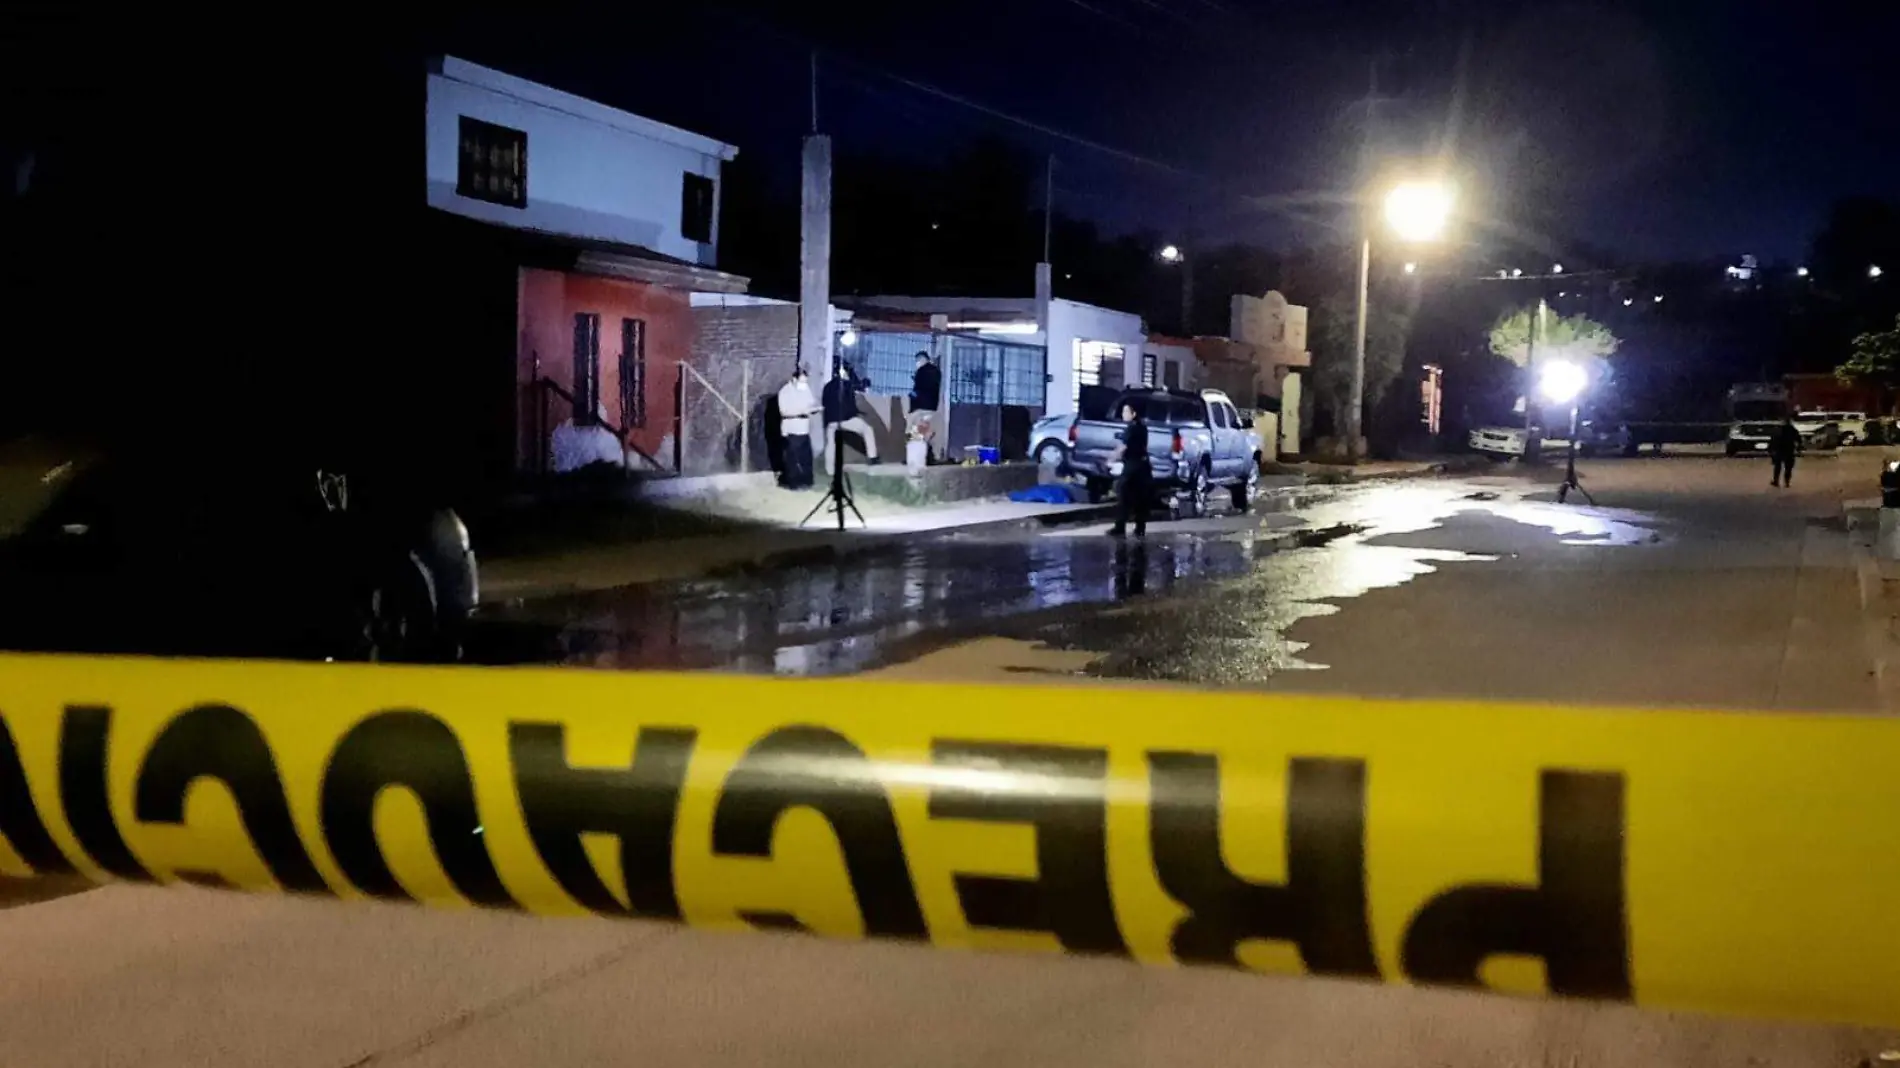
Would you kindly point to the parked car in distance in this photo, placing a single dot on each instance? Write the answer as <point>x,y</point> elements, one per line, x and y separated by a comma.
<point>1820,431</point>
<point>1500,443</point>
<point>1599,437</point>
<point>1049,439</point>
<point>1855,427</point>
<point>1196,442</point>
<point>255,557</point>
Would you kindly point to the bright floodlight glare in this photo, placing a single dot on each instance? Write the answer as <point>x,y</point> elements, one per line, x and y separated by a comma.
<point>1561,381</point>
<point>1418,211</point>
<point>1874,271</point>
<point>1411,268</point>
<point>848,338</point>
<point>1171,253</point>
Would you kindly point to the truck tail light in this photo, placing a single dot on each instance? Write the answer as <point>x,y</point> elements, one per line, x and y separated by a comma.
<point>1177,443</point>
<point>1072,434</point>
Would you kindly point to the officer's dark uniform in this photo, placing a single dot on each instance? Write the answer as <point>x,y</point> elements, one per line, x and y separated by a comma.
<point>1781,452</point>
<point>1138,480</point>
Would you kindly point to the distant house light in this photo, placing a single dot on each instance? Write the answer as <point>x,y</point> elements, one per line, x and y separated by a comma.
<point>1800,272</point>
<point>1517,272</point>
<point>1874,271</point>
<point>1627,301</point>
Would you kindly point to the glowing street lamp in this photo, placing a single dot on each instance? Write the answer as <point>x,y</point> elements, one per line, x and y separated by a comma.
<point>1874,271</point>
<point>1800,272</point>
<point>1419,211</point>
<point>1173,254</point>
<point>1416,210</point>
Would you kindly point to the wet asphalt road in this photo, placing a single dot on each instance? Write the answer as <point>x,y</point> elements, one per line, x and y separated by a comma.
<point>1216,595</point>
<point>1689,582</point>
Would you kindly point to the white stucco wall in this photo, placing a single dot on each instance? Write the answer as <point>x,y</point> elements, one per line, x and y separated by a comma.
<point>1069,322</point>
<point>1181,354</point>
<point>593,171</point>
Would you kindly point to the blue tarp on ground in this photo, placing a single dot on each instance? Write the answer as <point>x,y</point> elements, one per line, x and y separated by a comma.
<point>1050,494</point>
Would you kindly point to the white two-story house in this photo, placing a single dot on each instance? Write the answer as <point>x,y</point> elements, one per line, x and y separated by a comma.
<point>601,224</point>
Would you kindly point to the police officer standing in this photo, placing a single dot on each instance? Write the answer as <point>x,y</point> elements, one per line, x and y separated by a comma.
<point>1781,452</point>
<point>1138,476</point>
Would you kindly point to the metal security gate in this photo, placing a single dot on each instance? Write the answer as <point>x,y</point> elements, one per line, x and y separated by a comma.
<point>993,389</point>
<point>997,390</point>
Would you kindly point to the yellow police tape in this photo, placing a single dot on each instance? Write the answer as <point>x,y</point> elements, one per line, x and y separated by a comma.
<point>1734,863</point>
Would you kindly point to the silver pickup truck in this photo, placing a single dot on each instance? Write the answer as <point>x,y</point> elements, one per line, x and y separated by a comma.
<point>1196,442</point>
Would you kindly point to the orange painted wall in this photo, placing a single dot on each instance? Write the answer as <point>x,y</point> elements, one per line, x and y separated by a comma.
<point>549,301</point>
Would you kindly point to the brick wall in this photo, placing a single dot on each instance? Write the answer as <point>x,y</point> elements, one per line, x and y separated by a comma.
<point>726,341</point>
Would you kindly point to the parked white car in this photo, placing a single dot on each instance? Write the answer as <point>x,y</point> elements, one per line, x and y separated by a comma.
<point>1500,442</point>
<point>1820,431</point>
<point>1854,427</point>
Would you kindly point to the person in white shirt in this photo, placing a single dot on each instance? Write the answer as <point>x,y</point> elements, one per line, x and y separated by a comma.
<point>796,405</point>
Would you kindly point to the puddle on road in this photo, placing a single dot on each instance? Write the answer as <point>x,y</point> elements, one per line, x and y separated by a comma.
<point>1212,607</point>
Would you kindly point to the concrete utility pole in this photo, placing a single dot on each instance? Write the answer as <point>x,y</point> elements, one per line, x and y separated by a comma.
<point>814,276</point>
<point>1356,392</point>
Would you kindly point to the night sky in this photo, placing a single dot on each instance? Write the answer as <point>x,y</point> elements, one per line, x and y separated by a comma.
<point>1688,129</point>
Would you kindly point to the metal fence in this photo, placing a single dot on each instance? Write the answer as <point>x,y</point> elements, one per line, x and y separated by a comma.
<point>994,389</point>
<point>888,359</point>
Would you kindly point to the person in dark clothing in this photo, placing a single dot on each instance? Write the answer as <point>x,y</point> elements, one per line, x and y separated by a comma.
<point>926,385</point>
<point>1782,449</point>
<point>841,413</point>
<point>1138,477</point>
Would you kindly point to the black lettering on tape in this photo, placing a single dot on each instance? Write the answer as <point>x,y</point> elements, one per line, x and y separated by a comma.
<point>1321,908</point>
<point>1062,793</point>
<point>223,743</point>
<point>638,805</point>
<point>83,731</point>
<point>20,822</point>
<point>1575,918</point>
<point>417,751</point>
<point>811,767</point>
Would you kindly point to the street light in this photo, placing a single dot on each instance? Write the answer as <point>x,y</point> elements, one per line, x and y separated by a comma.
<point>1416,210</point>
<point>1874,271</point>
<point>1800,272</point>
<point>1562,382</point>
<point>1173,254</point>
<point>1411,268</point>
<point>1556,268</point>
<point>848,338</point>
